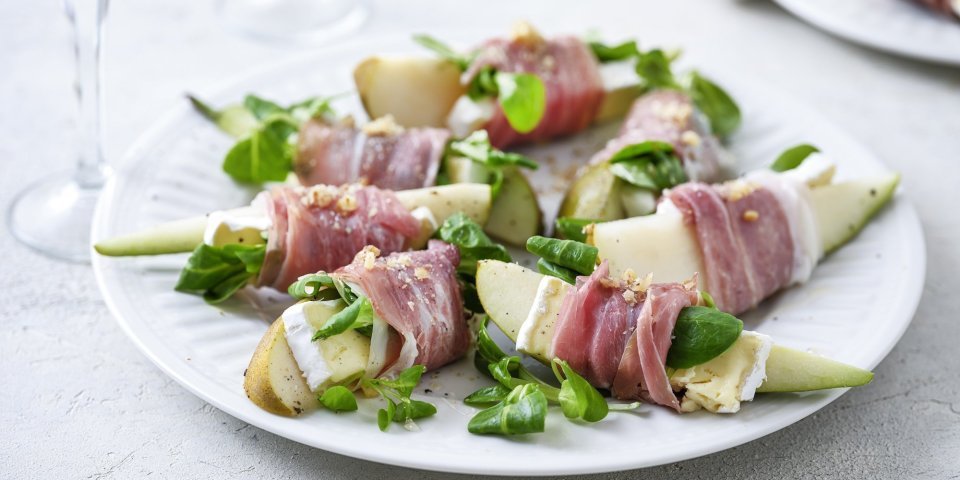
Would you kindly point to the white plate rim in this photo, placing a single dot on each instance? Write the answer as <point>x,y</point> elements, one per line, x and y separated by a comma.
<point>288,428</point>
<point>824,20</point>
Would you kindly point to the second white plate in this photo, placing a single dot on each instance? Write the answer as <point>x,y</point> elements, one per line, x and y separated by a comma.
<point>855,308</point>
<point>896,26</point>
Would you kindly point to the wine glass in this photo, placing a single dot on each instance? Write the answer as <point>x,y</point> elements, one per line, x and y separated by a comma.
<point>54,214</point>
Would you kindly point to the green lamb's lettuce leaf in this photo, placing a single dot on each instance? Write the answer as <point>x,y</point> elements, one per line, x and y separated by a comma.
<point>339,399</point>
<point>218,272</point>
<point>474,245</point>
<point>266,132</point>
<point>700,335</point>
<point>547,267</point>
<point>358,315</point>
<point>715,103</point>
<point>477,148</point>
<point>650,165</point>
<point>263,156</point>
<point>523,98</point>
<point>523,411</point>
<point>577,256</point>
<point>614,53</point>
<point>487,396</point>
<point>462,61</point>
<point>792,157</point>
<point>578,399</point>
<point>655,70</point>
<point>572,228</point>
<point>400,407</point>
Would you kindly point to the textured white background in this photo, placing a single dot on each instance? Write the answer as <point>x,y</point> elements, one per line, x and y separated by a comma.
<point>77,400</point>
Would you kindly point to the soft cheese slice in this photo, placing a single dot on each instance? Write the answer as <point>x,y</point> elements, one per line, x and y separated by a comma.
<point>329,361</point>
<point>535,337</point>
<point>719,385</point>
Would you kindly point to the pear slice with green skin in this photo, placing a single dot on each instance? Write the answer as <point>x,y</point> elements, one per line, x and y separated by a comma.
<point>508,291</point>
<point>515,214</point>
<point>664,245</point>
<point>274,380</point>
<point>421,91</point>
<point>184,235</point>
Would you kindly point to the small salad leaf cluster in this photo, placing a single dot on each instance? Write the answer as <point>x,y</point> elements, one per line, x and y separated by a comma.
<point>267,135</point>
<point>521,96</point>
<point>518,404</point>
<point>474,245</point>
<point>650,165</point>
<point>357,315</point>
<point>476,147</point>
<point>218,272</point>
<point>400,408</point>
<point>655,69</point>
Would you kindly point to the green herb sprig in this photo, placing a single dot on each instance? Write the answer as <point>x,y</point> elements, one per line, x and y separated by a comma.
<point>477,148</point>
<point>266,133</point>
<point>650,165</point>
<point>218,272</point>
<point>792,157</point>
<point>474,245</point>
<point>556,255</point>
<point>400,407</point>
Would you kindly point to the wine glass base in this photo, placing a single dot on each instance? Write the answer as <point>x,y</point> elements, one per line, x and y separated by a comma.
<point>54,217</point>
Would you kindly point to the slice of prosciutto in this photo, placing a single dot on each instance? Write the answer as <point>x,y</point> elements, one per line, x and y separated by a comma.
<point>617,332</point>
<point>642,372</point>
<point>670,116</point>
<point>745,239</point>
<point>381,154</point>
<point>950,8</point>
<point>418,295</point>
<point>569,72</point>
<point>323,227</point>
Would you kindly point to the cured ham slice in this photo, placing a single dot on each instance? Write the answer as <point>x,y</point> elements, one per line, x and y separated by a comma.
<point>642,372</point>
<point>617,332</point>
<point>596,318</point>
<point>745,240</point>
<point>569,71</point>
<point>323,227</point>
<point>670,116</point>
<point>381,154</point>
<point>418,295</point>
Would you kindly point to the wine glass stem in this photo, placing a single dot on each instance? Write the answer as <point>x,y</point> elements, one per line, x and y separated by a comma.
<point>86,18</point>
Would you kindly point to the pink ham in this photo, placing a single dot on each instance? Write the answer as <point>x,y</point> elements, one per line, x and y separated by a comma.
<point>395,159</point>
<point>594,323</point>
<point>642,372</point>
<point>418,295</point>
<point>569,72</point>
<point>744,238</point>
<point>323,227</point>
<point>616,333</point>
<point>670,116</point>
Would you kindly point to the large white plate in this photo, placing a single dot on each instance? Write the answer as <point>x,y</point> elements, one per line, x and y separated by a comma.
<point>855,309</point>
<point>896,26</point>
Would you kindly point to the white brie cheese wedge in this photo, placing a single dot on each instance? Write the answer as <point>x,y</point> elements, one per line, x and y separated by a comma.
<point>721,384</point>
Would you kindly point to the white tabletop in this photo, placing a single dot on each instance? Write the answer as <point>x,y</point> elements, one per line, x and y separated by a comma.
<point>80,401</point>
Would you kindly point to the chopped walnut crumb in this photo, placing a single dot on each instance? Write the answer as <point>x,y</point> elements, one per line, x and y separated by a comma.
<point>411,305</point>
<point>318,196</point>
<point>751,215</point>
<point>382,127</point>
<point>690,138</point>
<point>421,273</point>
<point>369,255</point>
<point>347,203</point>
<point>676,112</point>
<point>630,297</point>
<point>737,189</point>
